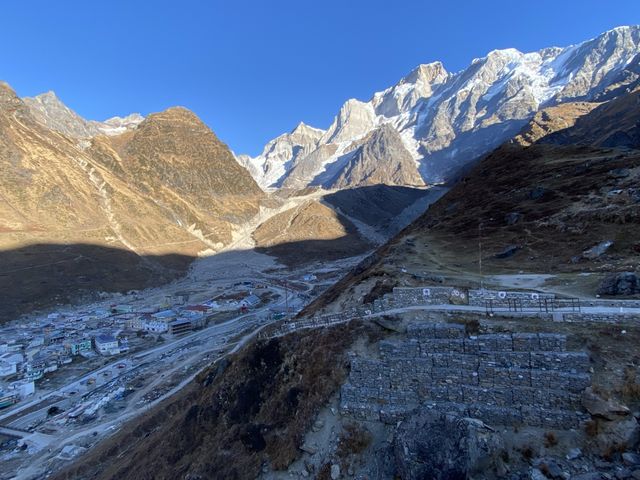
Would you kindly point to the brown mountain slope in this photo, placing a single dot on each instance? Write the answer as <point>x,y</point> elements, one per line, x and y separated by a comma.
<point>612,124</point>
<point>522,209</point>
<point>308,232</point>
<point>552,119</point>
<point>170,187</point>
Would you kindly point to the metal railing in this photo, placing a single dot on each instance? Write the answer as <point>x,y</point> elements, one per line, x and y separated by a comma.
<point>544,305</point>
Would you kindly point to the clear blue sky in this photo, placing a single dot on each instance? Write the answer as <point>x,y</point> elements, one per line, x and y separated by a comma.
<point>253,69</point>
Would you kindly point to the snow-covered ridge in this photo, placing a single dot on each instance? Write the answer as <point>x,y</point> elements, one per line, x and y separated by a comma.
<point>448,119</point>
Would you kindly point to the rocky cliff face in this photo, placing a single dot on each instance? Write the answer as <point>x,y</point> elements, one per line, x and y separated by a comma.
<point>447,120</point>
<point>280,153</point>
<point>382,159</point>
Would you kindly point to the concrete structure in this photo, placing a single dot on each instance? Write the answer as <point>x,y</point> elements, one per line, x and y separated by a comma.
<point>76,346</point>
<point>180,327</point>
<point>23,387</point>
<point>137,322</point>
<point>154,325</point>
<point>10,363</point>
<point>106,345</point>
<point>7,369</point>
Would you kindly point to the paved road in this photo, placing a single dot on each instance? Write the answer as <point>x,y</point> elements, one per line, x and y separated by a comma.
<point>482,309</point>
<point>131,363</point>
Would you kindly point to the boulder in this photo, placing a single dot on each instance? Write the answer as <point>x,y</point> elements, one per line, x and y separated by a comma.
<point>599,407</point>
<point>443,446</point>
<point>574,453</point>
<point>393,324</point>
<point>624,283</point>
<point>597,250</point>
<point>620,173</point>
<point>621,432</point>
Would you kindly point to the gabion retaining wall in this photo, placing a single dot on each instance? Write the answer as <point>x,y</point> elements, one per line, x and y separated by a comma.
<point>508,379</point>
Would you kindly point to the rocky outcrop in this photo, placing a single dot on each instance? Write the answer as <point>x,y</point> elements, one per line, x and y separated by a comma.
<point>625,283</point>
<point>596,128</point>
<point>382,159</point>
<point>443,446</point>
<point>551,120</point>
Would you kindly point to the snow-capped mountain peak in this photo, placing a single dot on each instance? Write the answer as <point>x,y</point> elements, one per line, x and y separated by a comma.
<point>446,120</point>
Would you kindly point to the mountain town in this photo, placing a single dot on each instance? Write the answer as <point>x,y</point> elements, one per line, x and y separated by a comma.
<point>442,284</point>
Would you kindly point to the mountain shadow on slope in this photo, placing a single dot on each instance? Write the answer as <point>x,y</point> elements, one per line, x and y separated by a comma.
<point>40,276</point>
<point>375,205</point>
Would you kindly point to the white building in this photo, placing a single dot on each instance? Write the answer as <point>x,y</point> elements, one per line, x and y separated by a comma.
<point>156,325</point>
<point>250,301</point>
<point>106,345</point>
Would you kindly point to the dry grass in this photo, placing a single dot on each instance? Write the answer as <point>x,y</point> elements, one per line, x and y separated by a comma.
<point>550,439</point>
<point>591,428</point>
<point>354,440</point>
<point>614,450</point>
<point>631,386</point>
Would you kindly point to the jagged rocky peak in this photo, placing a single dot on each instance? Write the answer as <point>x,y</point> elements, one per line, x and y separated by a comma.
<point>382,159</point>
<point>50,111</point>
<point>8,98</point>
<point>432,73</point>
<point>304,130</point>
<point>403,96</point>
<point>594,63</point>
<point>120,125</point>
<point>279,154</point>
<point>354,120</point>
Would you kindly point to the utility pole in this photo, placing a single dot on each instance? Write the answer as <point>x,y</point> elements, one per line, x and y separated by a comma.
<point>480,255</point>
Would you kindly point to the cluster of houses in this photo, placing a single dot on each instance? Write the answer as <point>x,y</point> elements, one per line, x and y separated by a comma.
<point>29,351</point>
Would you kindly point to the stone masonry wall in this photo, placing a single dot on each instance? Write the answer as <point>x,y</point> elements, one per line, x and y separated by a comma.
<point>526,299</point>
<point>428,296</point>
<point>504,379</point>
<point>602,317</point>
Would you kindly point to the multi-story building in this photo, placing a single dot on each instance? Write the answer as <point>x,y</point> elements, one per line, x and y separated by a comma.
<point>106,345</point>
